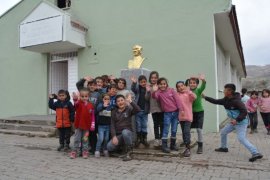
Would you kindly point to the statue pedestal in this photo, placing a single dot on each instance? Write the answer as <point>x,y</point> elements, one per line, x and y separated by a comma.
<point>127,73</point>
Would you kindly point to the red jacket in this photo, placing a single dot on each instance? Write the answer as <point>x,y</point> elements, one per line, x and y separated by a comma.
<point>85,116</point>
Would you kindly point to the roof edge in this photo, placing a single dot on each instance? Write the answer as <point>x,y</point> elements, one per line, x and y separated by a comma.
<point>237,37</point>
<point>12,7</point>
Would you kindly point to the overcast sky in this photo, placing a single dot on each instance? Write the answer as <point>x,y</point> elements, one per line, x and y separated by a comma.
<point>254,22</point>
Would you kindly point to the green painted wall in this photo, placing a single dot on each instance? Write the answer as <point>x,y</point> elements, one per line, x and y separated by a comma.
<point>23,75</point>
<point>177,37</point>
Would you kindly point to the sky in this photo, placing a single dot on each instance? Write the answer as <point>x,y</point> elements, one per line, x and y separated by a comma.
<point>254,23</point>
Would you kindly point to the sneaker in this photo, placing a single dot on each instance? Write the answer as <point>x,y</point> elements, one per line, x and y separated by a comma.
<point>85,154</point>
<point>127,158</point>
<point>255,157</point>
<point>255,130</point>
<point>222,149</point>
<point>73,155</point>
<point>60,147</point>
<point>97,154</point>
<point>106,153</point>
<point>156,143</point>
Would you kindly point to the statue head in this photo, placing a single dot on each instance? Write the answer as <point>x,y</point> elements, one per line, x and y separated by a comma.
<point>137,50</point>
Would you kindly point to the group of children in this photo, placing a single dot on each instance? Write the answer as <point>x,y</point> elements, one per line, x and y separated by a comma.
<point>104,109</point>
<point>254,103</point>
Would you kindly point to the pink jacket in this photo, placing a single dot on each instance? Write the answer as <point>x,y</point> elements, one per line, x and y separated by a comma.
<point>252,105</point>
<point>187,99</point>
<point>264,104</point>
<point>168,99</point>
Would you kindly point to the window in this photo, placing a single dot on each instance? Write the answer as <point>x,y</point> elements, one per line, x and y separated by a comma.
<point>63,3</point>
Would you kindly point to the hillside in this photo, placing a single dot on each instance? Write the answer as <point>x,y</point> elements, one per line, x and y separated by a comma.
<point>258,77</point>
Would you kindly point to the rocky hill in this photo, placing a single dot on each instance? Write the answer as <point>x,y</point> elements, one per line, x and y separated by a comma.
<point>258,77</point>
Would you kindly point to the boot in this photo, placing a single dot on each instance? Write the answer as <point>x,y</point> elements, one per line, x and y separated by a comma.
<point>200,148</point>
<point>187,151</point>
<point>144,139</point>
<point>165,148</point>
<point>60,147</point>
<point>67,147</point>
<point>127,156</point>
<point>173,146</point>
<point>139,137</point>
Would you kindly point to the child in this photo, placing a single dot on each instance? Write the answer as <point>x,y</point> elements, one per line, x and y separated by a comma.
<point>121,125</point>
<point>64,117</point>
<point>112,80</point>
<point>94,98</point>
<point>237,112</point>
<point>155,109</point>
<point>244,99</point>
<point>112,91</point>
<point>84,121</point>
<point>121,88</point>
<point>244,96</point>
<point>104,120</point>
<point>186,97</point>
<point>197,108</point>
<point>142,116</point>
<point>264,104</point>
<point>106,81</point>
<point>252,105</point>
<point>100,84</point>
<point>171,106</point>
<point>90,83</point>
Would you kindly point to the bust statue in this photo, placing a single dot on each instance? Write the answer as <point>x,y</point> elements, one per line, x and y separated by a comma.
<point>137,60</point>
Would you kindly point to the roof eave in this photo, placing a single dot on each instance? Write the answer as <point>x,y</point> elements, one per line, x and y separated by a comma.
<point>237,37</point>
<point>11,8</point>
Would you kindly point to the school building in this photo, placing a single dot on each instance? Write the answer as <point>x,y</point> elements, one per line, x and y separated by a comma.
<point>49,45</point>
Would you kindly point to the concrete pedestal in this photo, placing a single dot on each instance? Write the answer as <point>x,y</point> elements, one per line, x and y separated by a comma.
<point>127,73</point>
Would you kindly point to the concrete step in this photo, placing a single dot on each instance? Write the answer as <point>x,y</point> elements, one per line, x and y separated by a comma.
<point>32,122</point>
<point>27,127</point>
<point>27,133</point>
<point>157,151</point>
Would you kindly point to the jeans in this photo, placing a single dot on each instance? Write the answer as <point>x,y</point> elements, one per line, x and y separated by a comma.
<point>64,135</point>
<point>253,117</point>
<point>103,136</point>
<point>185,126</point>
<point>241,135</point>
<point>81,140</point>
<point>124,138</point>
<point>158,124</point>
<point>141,121</point>
<point>170,119</point>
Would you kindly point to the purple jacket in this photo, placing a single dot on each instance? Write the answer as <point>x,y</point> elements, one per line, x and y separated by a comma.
<point>168,99</point>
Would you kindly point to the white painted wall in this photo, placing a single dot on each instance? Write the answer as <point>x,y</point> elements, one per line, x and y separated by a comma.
<point>72,74</point>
